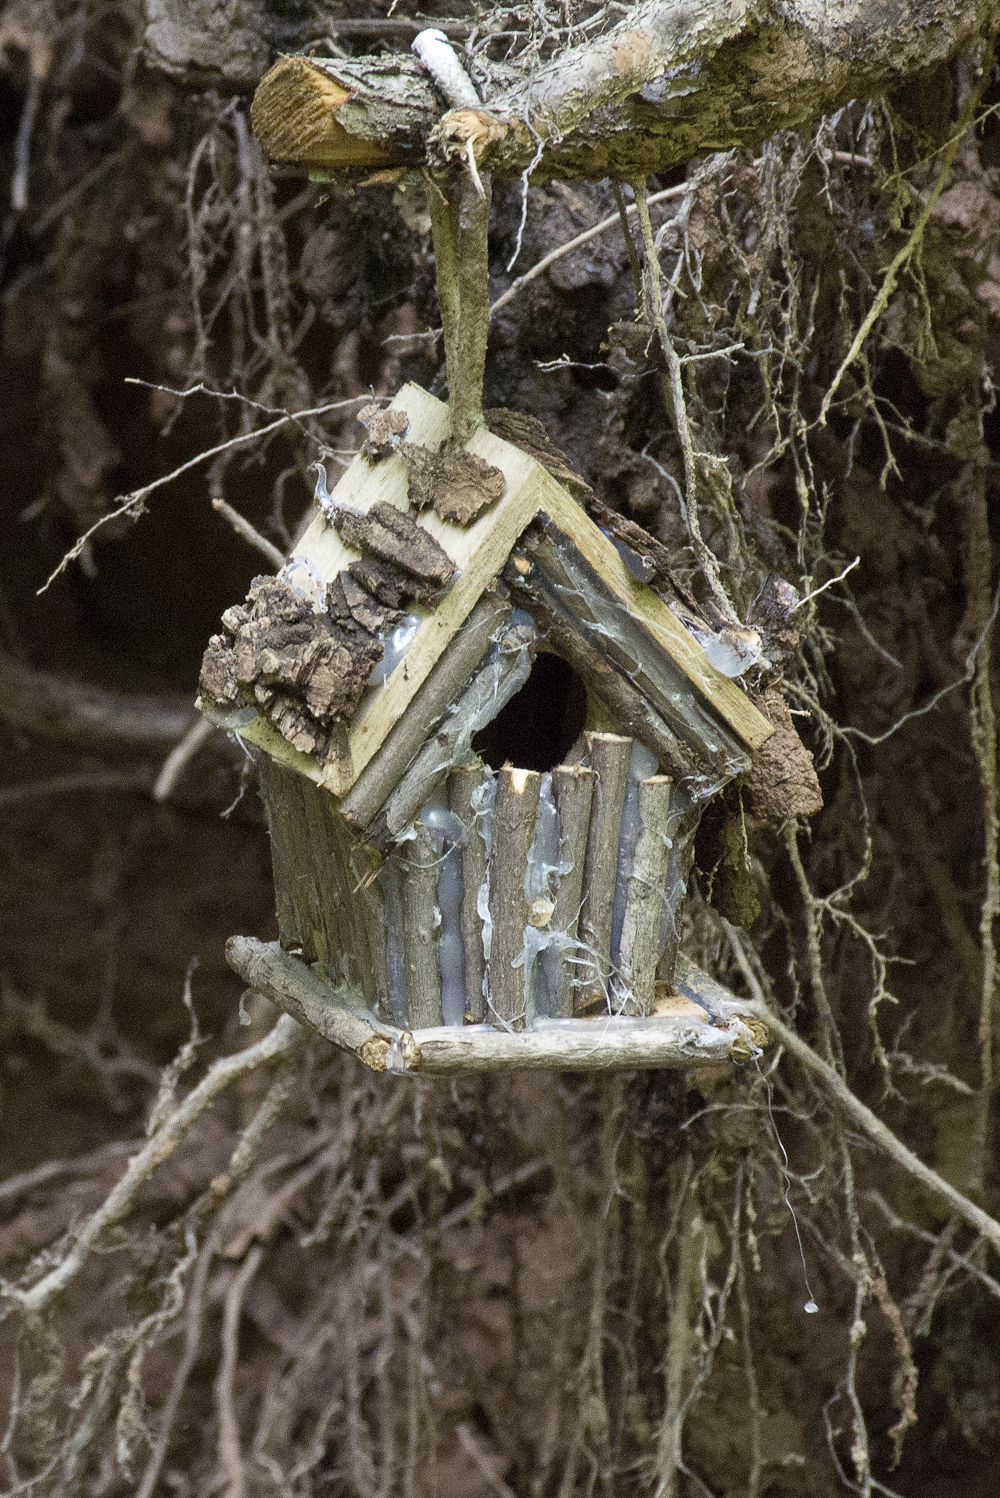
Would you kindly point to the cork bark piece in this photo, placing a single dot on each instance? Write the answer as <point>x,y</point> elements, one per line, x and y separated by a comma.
<point>456,484</point>
<point>528,433</point>
<point>392,535</point>
<point>305,670</point>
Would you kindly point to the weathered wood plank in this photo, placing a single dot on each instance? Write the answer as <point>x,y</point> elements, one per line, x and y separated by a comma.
<point>328,904</point>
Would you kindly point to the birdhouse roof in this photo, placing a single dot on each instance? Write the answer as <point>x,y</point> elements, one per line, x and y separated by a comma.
<point>576,561</point>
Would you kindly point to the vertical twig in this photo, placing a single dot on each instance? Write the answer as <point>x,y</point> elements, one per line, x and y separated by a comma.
<point>465,381</point>
<point>514,812</point>
<point>609,758</point>
<point>677,1368</point>
<point>192,1343</point>
<point>640,943</point>
<point>573,788</point>
<point>673,395</point>
<point>230,1448</point>
<point>463,783</point>
<point>420,948</point>
<point>444,232</point>
<point>983,732</point>
<point>459,224</point>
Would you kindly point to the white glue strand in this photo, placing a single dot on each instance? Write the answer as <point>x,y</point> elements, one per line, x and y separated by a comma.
<point>396,647</point>
<point>443,825</point>
<point>451,948</point>
<point>304,579</point>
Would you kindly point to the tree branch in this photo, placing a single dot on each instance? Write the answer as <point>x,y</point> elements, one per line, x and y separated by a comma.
<point>872,1126</point>
<point>675,78</point>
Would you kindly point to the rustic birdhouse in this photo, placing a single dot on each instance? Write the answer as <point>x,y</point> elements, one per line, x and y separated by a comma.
<point>484,744</point>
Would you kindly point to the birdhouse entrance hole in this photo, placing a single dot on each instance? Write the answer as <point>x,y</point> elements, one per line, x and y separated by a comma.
<point>541,723</point>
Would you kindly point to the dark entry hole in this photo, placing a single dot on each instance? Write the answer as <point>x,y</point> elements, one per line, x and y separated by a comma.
<point>539,726</point>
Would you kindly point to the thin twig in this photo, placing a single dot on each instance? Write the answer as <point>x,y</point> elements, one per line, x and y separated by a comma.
<point>81,780</point>
<point>80,1165</point>
<point>250,534</point>
<point>192,1344</point>
<point>133,503</point>
<point>574,244</point>
<point>230,1449</point>
<point>285,1036</point>
<point>469,1442</point>
<point>967,676</point>
<point>173,766</point>
<point>873,1126</point>
<point>673,391</point>
<point>909,249</point>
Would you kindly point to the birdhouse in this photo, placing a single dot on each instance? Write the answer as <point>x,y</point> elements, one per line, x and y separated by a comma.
<point>484,744</point>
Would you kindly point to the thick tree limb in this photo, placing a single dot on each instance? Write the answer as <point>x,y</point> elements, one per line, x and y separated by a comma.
<point>674,78</point>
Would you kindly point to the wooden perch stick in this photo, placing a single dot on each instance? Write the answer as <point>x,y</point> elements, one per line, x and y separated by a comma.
<point>634,986</point>
<point>609,757</point>
<point>573,789</point>
<point>514,810</point>
<point>679,1040</point>
<point>610,107</point>
<point>463,784</point>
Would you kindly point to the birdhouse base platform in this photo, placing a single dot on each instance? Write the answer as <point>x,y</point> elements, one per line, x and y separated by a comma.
<point>700,1024</point>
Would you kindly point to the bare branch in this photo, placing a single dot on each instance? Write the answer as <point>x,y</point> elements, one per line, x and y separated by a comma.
<point>873,1127</point>
<point>285,1036</point>
<point>134,503</point>
<point>243,528</point>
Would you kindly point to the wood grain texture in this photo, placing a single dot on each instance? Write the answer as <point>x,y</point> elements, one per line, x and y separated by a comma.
<point>572,790</point>
<point>609,755</point>
<point>420,930</point>
<point>465,785</point>
<point>634,985</point>
<point>515,807</point>
<point>328,906</point>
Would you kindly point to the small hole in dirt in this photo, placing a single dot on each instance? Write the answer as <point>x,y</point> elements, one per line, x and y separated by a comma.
<point>541,723</point>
